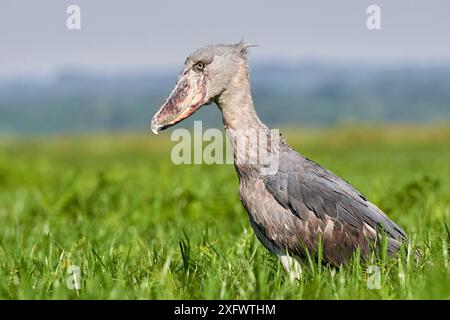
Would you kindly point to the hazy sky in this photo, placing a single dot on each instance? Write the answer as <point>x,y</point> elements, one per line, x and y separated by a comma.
<point>124,35</point>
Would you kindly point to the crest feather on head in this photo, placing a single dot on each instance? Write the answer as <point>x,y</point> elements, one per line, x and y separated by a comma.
<point>243,47</point>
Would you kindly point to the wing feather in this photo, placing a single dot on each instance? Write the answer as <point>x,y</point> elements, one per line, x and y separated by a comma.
<point>303,186</point>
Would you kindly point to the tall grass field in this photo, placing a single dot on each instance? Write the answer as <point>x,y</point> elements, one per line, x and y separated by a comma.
<point>111,217</point>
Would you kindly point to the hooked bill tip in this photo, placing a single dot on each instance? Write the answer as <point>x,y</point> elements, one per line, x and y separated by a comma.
<point>153,126</point>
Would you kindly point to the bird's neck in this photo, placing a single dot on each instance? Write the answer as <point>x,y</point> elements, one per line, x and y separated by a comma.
<point>248,136</point>
<point>236,103</point>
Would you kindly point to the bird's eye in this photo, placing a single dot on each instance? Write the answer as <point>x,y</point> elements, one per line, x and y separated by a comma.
<point>199,65</point>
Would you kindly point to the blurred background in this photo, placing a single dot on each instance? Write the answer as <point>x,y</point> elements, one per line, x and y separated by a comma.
<point>83,181</point>
<point>316,63</point>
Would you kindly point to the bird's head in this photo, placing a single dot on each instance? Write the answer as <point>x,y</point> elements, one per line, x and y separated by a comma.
<point>206,74</point>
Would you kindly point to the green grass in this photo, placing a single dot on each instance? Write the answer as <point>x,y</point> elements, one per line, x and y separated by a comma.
<point>139,227</point>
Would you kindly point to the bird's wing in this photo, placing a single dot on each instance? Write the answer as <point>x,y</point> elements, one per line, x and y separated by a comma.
<point>302,186</point>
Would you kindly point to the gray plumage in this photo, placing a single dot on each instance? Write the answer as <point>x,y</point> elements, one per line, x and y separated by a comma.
<point>322,204</point>
<point>301,204</point>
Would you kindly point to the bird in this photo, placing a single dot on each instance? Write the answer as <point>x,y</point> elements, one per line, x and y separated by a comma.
<point>297,209</point>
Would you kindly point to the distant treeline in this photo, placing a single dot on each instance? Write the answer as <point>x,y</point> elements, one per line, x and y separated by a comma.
<point>305,94</point>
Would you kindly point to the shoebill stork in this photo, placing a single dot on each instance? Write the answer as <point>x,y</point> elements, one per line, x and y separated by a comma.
<point>301,205</point>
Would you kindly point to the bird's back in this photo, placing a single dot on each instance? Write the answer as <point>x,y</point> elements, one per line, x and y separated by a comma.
<point>304,204</point>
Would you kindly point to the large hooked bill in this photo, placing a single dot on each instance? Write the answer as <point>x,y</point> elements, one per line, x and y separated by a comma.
<point>189,94</point>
